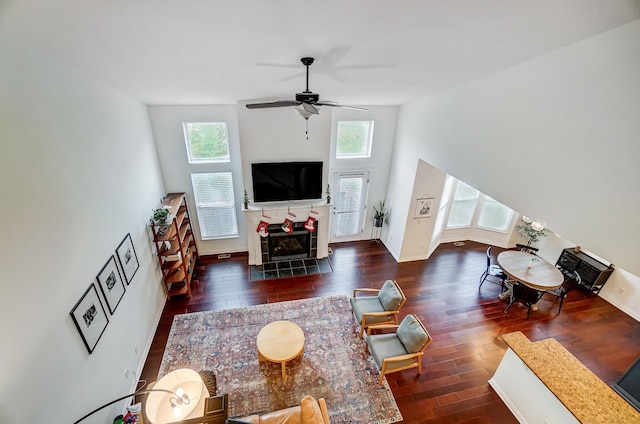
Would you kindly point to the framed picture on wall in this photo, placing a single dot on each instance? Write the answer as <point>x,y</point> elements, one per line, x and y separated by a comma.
<point>423,208</point>
<point>127,258</point>
<point>111,284</point>
<point>90,318</point>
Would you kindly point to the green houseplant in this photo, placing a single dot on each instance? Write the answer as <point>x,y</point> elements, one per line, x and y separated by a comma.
<point>531,231</point>
<point>380,212</point>
<point>161,217</point>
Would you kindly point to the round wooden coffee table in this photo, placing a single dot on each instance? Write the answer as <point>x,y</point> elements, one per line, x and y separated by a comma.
<point>279,342</point>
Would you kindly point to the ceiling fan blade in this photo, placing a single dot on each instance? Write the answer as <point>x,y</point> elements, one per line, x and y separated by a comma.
<point>279,103</point>
<point>333,104</point>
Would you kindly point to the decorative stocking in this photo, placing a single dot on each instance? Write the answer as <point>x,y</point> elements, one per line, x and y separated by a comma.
<point>263,225</point>
<point>311,220</point>
<point>287,225</point>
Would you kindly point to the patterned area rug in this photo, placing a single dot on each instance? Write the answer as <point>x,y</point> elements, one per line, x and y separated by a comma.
<point>336,364</point>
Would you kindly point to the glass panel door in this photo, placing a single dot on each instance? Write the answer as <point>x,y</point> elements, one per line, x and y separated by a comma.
<point>349,197</point>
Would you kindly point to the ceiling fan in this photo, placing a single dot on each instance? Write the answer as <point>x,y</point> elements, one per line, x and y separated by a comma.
<point>306,103</point>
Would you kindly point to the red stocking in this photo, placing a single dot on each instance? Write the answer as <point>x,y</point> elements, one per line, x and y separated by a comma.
<point>263,225</point>
<point>287,225</point>
<point>311,220</point>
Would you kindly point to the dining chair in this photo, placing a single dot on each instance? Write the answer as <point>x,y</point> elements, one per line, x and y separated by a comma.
<point>377,306</point>
<point>494,273</point>
<point>561,292</point>
<point>401,349</point>
<point>527,249</point>
<point>525,295</point>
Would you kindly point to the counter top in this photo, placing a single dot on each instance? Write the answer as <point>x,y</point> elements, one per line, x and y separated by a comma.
<point>585,395</point>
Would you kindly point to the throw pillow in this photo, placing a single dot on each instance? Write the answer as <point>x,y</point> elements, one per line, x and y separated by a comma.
<point>310,411</point>
<point>389,296</point>
<point>411,334</point>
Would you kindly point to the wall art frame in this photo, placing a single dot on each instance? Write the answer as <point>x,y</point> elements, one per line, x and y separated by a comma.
<point>111,284</point>
<point>423,208</point>
<point>128,258</point>
<point>90,317</point>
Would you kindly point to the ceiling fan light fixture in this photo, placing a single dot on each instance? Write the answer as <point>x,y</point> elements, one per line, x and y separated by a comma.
<point>305,111</point>
<point>307,99</point>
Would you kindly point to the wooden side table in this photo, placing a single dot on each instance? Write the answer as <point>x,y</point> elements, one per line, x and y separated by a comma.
<point>279,342</point>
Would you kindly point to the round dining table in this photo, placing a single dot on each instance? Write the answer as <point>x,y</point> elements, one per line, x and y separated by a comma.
<point>530,270</point>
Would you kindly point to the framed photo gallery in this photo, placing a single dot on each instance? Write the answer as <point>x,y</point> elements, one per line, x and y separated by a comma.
<point>89,315</point>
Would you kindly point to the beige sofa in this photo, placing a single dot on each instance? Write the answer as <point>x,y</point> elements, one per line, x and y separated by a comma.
<point>310,411</point>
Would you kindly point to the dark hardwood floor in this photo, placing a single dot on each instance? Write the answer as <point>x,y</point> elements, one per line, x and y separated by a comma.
<point>466,323</point>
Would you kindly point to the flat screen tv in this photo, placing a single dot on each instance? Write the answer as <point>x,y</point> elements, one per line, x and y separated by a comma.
<point>281,181</point>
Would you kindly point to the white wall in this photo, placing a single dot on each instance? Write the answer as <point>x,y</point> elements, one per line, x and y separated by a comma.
<point>265,135</point>
<point>379,164</point>
<point>428,182</point>
<point>78,171</point>
<point>166,122</point>
<point>554,138</point>
<point>279,135</point>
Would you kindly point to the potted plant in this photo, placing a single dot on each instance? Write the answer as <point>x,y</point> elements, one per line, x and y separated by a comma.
<point>245,199</point>
<point>328,193</point>
<point>380,211</point>
<point>531,230</point>
<point>161,218</point>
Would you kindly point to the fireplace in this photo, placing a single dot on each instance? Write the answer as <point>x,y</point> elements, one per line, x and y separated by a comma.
<point>259,246</point>
<point>280,246</point>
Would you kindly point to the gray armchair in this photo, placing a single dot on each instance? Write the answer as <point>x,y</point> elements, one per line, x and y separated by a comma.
<point>400,350</point>
<point>377,306</point>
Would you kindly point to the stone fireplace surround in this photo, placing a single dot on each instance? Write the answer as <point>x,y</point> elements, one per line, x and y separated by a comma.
<point>278,212</point>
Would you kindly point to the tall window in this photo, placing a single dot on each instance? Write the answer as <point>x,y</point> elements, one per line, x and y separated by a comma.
<point>206,141</point>
<point>463,206</point>
<point>353,139</point>
<point>494,215</point>
<point>215,204</point>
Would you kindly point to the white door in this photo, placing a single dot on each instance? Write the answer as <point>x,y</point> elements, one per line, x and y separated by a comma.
<point>349,197</point>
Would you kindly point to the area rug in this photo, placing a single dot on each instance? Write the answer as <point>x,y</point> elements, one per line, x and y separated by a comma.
<point>336,364</point>
<point>290,268</point>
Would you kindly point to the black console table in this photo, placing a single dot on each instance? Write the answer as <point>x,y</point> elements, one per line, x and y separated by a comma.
<point>593,273</point>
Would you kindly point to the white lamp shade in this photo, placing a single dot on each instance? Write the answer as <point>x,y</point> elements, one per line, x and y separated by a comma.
<point>537,226</point>
<point>158,405</point>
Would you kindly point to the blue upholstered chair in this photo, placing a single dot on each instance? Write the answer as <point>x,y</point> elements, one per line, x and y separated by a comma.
<point>399,350</point>
<point>377,306</point>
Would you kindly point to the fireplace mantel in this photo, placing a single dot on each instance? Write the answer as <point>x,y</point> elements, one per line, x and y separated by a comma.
<point>277,213</point>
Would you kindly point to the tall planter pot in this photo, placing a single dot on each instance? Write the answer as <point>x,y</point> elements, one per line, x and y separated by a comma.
<point>377,222</point>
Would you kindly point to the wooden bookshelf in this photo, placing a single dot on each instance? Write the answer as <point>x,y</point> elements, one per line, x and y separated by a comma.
<point>176,248</point>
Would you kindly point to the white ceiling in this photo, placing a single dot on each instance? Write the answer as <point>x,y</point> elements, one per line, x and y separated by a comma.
<point>369,52</point>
